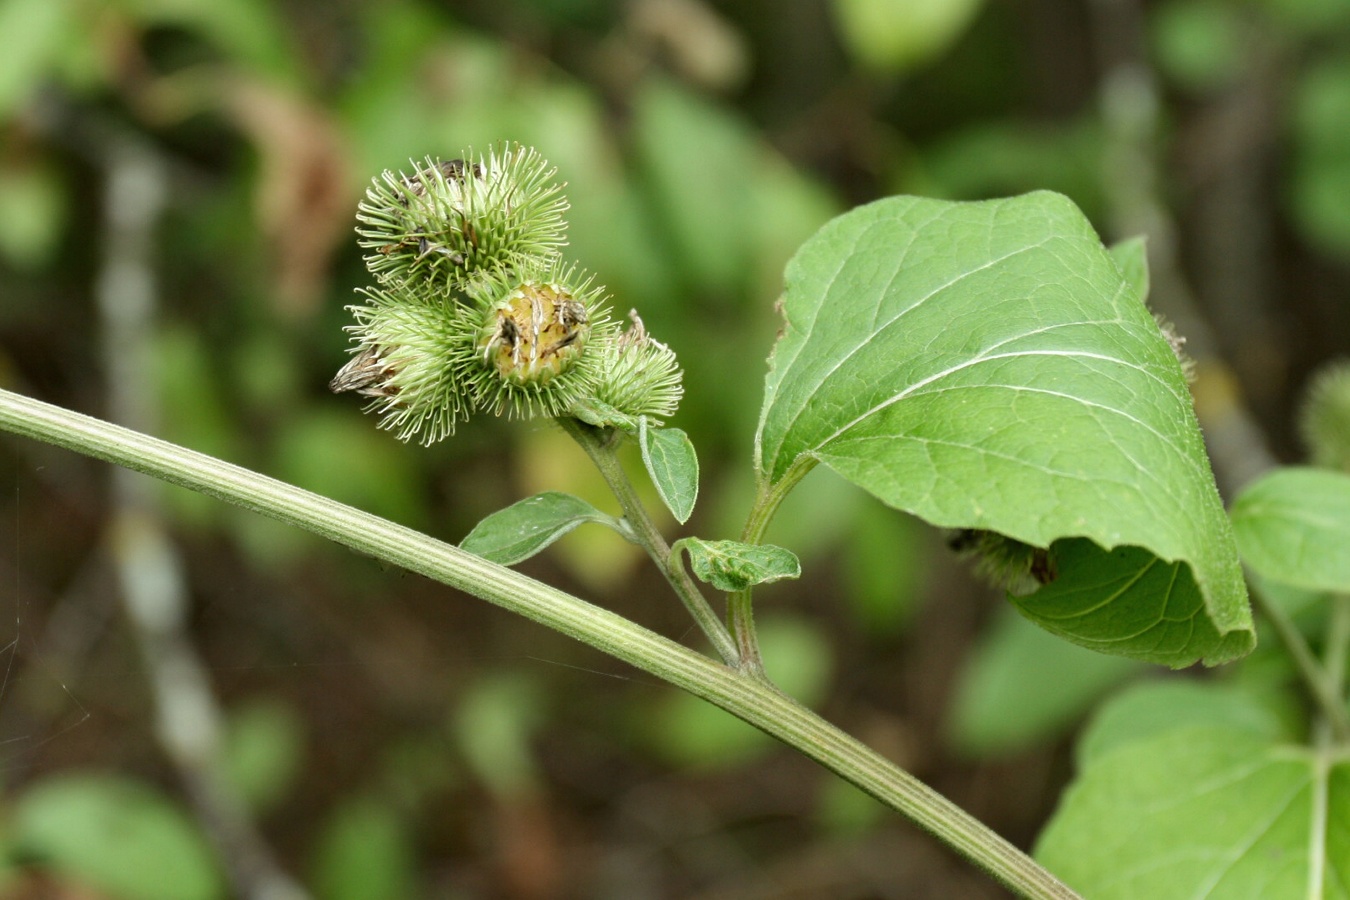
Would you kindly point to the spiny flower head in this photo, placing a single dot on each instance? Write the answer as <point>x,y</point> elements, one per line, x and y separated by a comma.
<point>1005,562</point>
<point>476,312</point>
<point>1325,417</point>
<point>449,220</point>
<point>404,361</point>
<point>638,376</point>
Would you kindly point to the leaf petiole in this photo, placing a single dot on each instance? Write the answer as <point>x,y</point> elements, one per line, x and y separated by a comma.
<point>600,445</point>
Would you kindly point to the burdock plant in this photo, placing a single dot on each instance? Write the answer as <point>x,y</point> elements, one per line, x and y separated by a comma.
<point>988,367</point>
<point>476,311</point>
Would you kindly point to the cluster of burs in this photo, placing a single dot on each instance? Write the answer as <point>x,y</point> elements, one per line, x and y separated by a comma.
<point>476,310</point>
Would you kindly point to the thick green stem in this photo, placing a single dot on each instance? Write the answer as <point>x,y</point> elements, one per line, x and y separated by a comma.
<point>748,698</point>
<point>600,446</point>
<point>1321,683</point>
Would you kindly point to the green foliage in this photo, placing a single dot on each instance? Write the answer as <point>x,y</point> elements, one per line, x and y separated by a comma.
<point>1199,43</point>
<point>264,752</point>
<point>1000,158</point>
<point>1321,163</point>
<point>734,566</point>
<point>493,724</point>
<point>1130,602</point>
<point>1293,526</point>
<point>699,163</point>
<point>1024,686</point>
<point>115,834</point>
<point>975,390</point>
<point>32,212</point>
<point>1210,783</point>
<point>364,852</point>
<point>1131,255</point>
<point>1084,447</point>
<point>35,33</point>
<point>672,464</point>
<point>895,35</point>
<point>884,555</point>
<point>524,528</point>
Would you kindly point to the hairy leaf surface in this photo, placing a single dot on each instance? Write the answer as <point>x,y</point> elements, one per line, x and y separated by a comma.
<point>987,365</point>
<point>1190,791</point>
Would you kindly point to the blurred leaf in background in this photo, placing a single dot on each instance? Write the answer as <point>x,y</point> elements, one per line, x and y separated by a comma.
<point>113,834</point>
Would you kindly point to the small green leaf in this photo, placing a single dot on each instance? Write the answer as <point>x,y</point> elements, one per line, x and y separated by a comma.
<point>733,566</point>
<point>1131,255</point>
<point>116,836</point>
<point>895,35</point>
<point>523,529</point>
<point>264,752</point>
<point>1293,526</point>
<point>987,366</point>
<point>673,465</point>
<point>365,851</point>
<point>1187,795</point>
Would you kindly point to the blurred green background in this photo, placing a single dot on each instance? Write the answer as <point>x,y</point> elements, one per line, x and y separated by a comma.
<point>178,180</point>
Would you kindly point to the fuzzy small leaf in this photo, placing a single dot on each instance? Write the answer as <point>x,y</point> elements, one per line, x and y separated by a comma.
<point>673,465</point>
<point>987,366</point>
<point>1293,526</point>
<point>523,529</point>
<point>733,566</point>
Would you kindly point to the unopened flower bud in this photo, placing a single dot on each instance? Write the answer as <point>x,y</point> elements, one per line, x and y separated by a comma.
<point>405,363</point>
<point>1325,417</point>
<point>637,376</point>
<point>449,220</point>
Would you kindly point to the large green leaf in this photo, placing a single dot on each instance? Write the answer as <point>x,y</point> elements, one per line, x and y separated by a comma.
<point>1293,526</point>
<point>1187,798</point>
<point>987,365</point>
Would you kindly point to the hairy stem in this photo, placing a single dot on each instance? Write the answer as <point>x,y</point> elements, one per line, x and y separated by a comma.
<point>1321,683</point>
<point>600,446</point>
<point>740,607</point>
<point>745,697</point>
